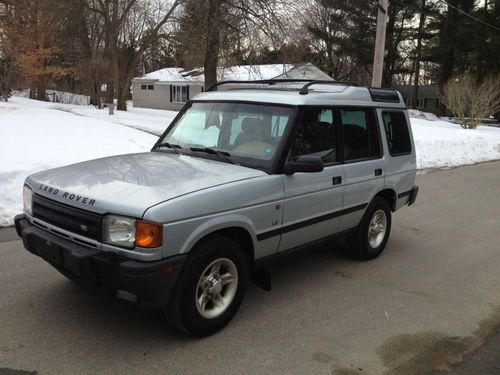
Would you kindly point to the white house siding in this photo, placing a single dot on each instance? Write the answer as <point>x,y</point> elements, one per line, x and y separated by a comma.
<point>159,98</point>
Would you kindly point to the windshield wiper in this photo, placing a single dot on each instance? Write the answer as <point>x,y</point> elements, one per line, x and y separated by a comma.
<point>172,146</point>
<point>222,154</point>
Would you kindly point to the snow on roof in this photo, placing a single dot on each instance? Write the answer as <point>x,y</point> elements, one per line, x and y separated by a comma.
<point>232,73</point>
<point>173,75</point>
<point>254,72</point>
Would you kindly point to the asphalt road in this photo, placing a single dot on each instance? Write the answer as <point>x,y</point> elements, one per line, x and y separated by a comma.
<point>430,300</point>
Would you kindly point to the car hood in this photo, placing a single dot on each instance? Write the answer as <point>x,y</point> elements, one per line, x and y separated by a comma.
<point>130,184</point>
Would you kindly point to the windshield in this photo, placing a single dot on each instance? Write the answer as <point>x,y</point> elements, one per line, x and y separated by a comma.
<point>247,133</point>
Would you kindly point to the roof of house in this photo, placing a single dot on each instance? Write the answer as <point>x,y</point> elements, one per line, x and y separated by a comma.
<point>237,73</point>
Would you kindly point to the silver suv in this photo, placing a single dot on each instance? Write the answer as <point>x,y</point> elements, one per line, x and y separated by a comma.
<point>241,174</point>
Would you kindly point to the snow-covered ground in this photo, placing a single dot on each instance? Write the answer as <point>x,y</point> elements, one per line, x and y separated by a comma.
<point>37,135</point>
<point>442,144</point>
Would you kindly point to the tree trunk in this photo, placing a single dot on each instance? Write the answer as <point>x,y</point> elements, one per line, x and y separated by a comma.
<point>448,56</point>
<point>213,36</point>
<point>418,55</point>
<point>123,94</point>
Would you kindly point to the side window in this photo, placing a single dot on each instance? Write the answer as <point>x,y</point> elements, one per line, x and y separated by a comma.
<point>360,134</point>
<point>316,135</point>
<point>396,130</point>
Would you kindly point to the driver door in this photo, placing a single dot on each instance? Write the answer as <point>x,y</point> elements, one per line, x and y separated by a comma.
<point>313,201</point>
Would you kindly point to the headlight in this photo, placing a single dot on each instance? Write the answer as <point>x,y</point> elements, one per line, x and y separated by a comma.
<point>119,231</point>
<point>127,232</point>
<point>28,200</point>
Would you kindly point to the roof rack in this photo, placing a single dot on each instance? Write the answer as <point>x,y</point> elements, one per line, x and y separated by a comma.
<point>305,89</point>
<point>271,82</point>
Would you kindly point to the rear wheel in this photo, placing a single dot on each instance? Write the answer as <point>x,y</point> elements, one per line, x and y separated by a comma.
<point>369,240</point>
<point>211,287</point>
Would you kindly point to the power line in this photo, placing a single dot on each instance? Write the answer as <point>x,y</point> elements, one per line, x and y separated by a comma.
<point>469,15</point>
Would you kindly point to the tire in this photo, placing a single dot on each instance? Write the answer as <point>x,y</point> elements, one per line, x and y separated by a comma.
<point>204,300</point>
<point>365,243</point>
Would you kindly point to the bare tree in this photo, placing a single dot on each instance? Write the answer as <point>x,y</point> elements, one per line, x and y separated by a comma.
<point>470,100</point>
<point>217,33</point>
<point>130,27</point>
<point>485,100</point>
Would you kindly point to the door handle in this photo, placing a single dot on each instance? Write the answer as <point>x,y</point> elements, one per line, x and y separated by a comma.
<point>337,180</point>
<point>378,172</point>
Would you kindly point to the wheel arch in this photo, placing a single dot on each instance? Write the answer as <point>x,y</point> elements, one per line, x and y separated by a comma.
<point>390,196</point>
<point>239,232</point>
<point>239,235</point>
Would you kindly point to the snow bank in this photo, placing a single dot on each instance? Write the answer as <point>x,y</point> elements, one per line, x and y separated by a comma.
<point>152,121</point>
<point>441,144</point>
<point>59,97</point>
<point>34,137</point>
<point>415,113</point>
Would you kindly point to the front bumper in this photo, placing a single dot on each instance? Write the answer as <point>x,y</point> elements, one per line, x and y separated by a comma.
<point>150,282</point>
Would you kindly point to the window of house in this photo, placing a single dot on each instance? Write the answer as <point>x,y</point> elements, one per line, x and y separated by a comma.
<point>151,87</point>
<point>147,87</point>
<point>179,94</point>
<point>398,135</point>
<point>316,135</point>
<point>360,134</point>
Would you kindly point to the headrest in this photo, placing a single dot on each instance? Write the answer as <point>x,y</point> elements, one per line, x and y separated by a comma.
<point>353,130</point>
<point>251,125</point>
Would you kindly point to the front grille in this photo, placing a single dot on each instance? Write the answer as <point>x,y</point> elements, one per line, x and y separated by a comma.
<point>73,219</point>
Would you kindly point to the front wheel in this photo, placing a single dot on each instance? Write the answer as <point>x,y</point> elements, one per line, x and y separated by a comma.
<point>369,240</point>
<point>211,287</point>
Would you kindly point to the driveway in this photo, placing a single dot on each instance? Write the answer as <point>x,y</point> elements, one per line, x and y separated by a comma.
<point>432,298</point>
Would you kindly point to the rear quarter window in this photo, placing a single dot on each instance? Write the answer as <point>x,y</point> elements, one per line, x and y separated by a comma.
<point>397,133</point>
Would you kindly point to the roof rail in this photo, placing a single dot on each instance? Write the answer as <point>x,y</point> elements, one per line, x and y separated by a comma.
<point>305,89</point>
<point>269,82</point>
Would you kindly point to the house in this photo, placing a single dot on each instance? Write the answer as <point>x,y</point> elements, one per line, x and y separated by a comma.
<point>170,88</point>
<point>428,98</point>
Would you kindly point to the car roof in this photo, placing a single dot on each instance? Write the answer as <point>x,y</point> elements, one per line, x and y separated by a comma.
<point>320,94</point>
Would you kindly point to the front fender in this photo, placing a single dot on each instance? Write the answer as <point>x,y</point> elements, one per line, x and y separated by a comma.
<point>216,224</point>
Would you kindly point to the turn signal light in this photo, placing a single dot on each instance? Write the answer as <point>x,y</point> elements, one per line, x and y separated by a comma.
<point>148,234</point>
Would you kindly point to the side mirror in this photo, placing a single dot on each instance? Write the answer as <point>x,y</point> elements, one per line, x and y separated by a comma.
<point>305,163</point>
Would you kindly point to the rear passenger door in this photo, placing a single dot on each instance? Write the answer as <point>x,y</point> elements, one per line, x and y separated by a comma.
<point>364,166</point>
<point>313,201</point>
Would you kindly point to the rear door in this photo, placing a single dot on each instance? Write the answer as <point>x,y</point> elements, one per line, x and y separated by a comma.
<point>400,164</point>
<point>363,162</point>
<point>313,200</point>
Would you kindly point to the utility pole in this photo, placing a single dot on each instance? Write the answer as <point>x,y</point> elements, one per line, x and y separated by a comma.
<point>419,54</point>
<point>378,58</point>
